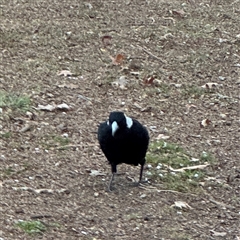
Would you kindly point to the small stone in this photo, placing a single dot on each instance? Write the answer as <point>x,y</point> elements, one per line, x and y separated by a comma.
<point>149,166</point>
<point>18,211</point>
<point>149,173</point>
<point>221,78</point>
<point>146,218</point>
<point>65,135</point>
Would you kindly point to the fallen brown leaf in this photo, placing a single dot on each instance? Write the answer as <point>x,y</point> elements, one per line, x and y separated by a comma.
<point>118,60</point>
<point>149,80</point>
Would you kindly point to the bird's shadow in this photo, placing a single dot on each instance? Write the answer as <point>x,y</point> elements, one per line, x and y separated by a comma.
<point>121,184</point>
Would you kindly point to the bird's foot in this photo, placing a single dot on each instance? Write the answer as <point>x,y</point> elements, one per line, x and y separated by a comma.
<point>109,189</point>
<point>142,182</point>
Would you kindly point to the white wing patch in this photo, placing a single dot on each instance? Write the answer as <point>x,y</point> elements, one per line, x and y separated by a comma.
<point>129,121</point>
<point>115,127</point>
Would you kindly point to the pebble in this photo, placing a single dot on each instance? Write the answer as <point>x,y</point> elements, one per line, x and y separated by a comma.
<point>143,196</point>
<point>149,166</point>
<point>221,78</point>
<point>65,135</point>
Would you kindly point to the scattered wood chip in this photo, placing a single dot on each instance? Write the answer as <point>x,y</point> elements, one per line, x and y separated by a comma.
<point>162,136</point>
<point>30,115</point>
<point>221,78</point>
<point>146,109</point>
<point>179,13</point>
<point>210,85</point>
<point>152,55</point>
<point>96,194</point>
<point>121,82</point>
<point>64,73</point>
<point>40,216</point>
<point>137,105</point>
<point>218,234</point>
<point>50,108</point>
<point>194,159</point>
<point>38,191</point>
<point>189,106</point>
<point>181,205</point>
<point>69,85</point>
<point>85,98</point>
<point>42,190</point>
<point>95,173</point>
<point>186,168</point>
<point>205,122</point>
<point>63,106</point>
<point>135,73</point>
<point>26,128</point>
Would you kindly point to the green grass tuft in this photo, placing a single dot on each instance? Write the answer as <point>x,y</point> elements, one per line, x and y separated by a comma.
<point>193,92</point>
<point>53,141</point>
<point>5,135</point>
<point>164,156</point>
<point>32,227</point>
<point>14,101</point>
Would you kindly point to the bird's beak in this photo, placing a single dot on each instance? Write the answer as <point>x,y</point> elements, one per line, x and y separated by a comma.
<point>115,127</point>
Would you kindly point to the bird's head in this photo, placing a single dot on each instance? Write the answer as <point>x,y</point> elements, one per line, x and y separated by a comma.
<point>118,120</point>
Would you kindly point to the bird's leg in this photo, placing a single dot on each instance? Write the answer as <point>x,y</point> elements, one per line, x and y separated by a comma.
<point>141,173</point>
<point>114,171</point>
<point>110,182</point>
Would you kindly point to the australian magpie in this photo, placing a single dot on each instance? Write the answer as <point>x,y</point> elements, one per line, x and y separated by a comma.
<point>123,140</point>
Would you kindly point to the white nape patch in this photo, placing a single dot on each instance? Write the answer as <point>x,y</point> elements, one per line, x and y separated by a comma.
<point>115,127</point>
<point>108,123</point>
<point>129,121</point>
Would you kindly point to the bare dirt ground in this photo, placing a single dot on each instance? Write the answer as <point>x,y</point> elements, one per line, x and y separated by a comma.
<point>183,45</point>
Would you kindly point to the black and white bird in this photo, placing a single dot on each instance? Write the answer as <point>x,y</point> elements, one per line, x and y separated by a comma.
<point>123,140</point>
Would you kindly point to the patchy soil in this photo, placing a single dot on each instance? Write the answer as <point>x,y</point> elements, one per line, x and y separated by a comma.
<point>182,46</point>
